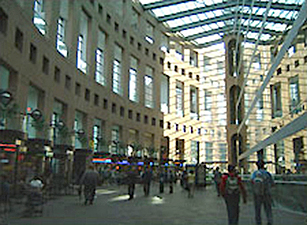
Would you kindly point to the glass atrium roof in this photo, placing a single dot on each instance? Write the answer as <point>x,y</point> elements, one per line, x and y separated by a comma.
<point>204,22</point>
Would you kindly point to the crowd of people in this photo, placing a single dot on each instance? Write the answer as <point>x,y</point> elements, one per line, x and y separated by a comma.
<point>229,185</point>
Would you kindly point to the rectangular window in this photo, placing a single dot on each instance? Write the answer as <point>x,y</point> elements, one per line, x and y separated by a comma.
<point>179,52</point>
<point>179,99</point>
<point>138,117</point>
<point>57,74</point>
<point>194,102</point>
<point>221,109</point>
<point>148,85</point>
<point>149,33</point>
<point>105,103</point>
<point>81,64</point>
<point>223,152</point>
<point>276,105</point>
<point>99,74</point>
<point>294,95</point>
<point>209,151</point>
<point>116,76</point>
<point>96,100</point>
<point>130,114</point>
<point>87,94</point>
<point>206,63</point>
<point>194,152</point>
<point>45,65</point>
<point>260,111</point>
<point>164,94</point>
<point>77,89</point>
<point>60,42</point>
<point>220,67</point>
<point>33,53</point>
<point>96,135</point>
<point>67,82</point>
<point>146,119</point>
<point>113,107</point>
<point>19,39</point>
<point>291,50</point>
<point>99,71</point>
<point>208,100</point>
<point>122,111</point>
<point>4,78</point>
<point>3,21</point>
<point>135,19</point>
<point>133,80</point>
<point>164,43</point>
<point>117,86</point>
<point>39,16</point>
<point>82,42</point>
<point>257,62</point>
<point>115,140</point>
<point>193,58</point>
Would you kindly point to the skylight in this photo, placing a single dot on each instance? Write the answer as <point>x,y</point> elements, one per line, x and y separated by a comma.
<point>203,21</point>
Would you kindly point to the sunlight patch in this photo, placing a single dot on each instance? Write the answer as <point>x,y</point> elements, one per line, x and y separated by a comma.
<point>156,200</point>
<point>105,192</point>
<point>119,198</point>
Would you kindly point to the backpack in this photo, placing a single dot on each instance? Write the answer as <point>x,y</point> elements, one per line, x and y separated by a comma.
<point>232,185</point>
<point>259,183</point>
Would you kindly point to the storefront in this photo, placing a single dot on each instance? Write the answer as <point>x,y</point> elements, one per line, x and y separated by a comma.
<point>11,152</point>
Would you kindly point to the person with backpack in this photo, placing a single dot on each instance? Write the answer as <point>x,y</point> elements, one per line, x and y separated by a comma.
<point>231,187</point>
<point>262,182</point>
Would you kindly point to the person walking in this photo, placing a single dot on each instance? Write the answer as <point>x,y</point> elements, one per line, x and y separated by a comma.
<point>90,180</point>
<point>161,180</point>
<point>231,187</point>
<point>171,180</point>
<point>217,180</point>
<point>132,175</point>
<point>262,182</point>
<point>146,177</point>
<point>191,184</point>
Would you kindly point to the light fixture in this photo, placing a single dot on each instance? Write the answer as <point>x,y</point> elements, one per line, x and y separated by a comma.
<point>6,98</point>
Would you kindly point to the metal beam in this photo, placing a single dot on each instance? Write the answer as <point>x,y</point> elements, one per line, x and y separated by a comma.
<point>196,11</point>
<point>287,43</point>
<point>293,127</point>
<point>164,3</point>
<point>229,16</point>
<point>210,43</point>
<point>227,5</point>
<point>208,33</point>
<point>229,28</point>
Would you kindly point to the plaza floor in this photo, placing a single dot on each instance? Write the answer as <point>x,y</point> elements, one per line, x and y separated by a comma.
<point>112,207</point>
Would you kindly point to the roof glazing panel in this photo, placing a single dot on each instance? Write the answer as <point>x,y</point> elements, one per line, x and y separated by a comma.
<point>204,21</point>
